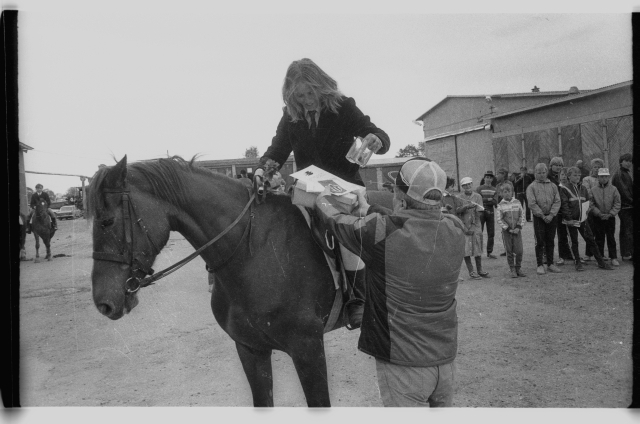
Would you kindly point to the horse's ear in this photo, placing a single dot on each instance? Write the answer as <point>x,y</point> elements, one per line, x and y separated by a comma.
<point>117,176</point>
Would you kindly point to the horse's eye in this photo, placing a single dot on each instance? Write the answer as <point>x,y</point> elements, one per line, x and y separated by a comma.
<point>106,222</point>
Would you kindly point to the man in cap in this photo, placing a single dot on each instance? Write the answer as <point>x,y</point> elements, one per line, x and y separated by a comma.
<point>413,256</point>
<point>605,205</point>
<point>489,201</point>
<point>36,197</point>
<point>469,213</point>
<point>589,182</point>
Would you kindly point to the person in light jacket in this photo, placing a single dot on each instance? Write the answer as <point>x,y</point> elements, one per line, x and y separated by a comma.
<point>544,200</point>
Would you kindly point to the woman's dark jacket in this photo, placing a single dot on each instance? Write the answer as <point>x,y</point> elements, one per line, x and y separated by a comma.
<point>327,150</point>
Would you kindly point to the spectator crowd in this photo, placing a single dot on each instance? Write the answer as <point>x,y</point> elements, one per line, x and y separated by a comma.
<point>561,202</point>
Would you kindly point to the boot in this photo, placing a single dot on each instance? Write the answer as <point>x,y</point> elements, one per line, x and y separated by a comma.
<point>513,273</point>
<point>519,272</point>
<point>54,223</point>
<point>354,307</point>
<point>28,228</point>
<point>579,266</point>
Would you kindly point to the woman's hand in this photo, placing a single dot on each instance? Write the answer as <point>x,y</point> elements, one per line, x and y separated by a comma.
<point>372,142</point>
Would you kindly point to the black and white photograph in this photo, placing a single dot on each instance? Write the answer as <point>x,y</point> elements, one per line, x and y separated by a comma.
<point>328,204</point>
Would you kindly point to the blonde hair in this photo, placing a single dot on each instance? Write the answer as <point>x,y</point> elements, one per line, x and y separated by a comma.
<point>325,88</point>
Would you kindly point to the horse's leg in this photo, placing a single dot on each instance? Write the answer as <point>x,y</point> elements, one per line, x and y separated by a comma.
<point>257,367</point>
<point>37,258</point>
<point>308,358</point>
<point>47,243</point>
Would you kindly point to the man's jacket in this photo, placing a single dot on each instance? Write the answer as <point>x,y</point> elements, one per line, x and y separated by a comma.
<point>489,195</point>
<point>605,200</point>
<point>35,199</point>
<point>521,184</point>
<point>624,183</point>
<point>413,260</point>
<point>571,198</point>
<point>543,198</point>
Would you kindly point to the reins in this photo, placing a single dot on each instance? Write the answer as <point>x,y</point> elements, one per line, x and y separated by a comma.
<point>131,257</point>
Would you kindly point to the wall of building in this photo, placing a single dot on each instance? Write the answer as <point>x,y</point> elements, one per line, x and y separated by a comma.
<point>598,126</point>
<point>461,112</point>
<point>608,104</point>
<point>475,155</point>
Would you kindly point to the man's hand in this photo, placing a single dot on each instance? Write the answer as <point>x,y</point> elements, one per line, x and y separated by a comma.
<point>547,218</point>
<point>372,142</point>
<point>605,216</point>
<point>363,205</point>
<point>515,231</point>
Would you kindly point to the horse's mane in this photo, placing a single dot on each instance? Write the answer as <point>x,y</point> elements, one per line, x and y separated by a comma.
<point>165,176</point>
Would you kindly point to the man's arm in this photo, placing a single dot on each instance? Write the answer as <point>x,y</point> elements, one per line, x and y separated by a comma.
<point>359,235</point>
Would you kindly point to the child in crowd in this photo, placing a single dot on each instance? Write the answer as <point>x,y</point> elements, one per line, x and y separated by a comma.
<point>450,203</point>
<point>511,218</point>
<point>544,200</point>
<point>605,205</point>
<point>488,191</point>
<point>470,215</point>
<point>572,197</point>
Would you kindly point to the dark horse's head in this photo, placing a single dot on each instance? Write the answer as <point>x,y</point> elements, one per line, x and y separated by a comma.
<point>129,225</point>
<point>41,210</point>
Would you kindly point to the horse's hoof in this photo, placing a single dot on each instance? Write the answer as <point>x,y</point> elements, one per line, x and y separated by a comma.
<point>36,260</point>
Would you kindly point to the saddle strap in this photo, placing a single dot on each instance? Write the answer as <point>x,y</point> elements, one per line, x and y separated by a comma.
<point>335,312</point>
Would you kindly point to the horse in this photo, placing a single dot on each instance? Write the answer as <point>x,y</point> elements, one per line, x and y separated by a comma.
<point>273,288</point>
<point>41,227</point>
<point>23,236</point>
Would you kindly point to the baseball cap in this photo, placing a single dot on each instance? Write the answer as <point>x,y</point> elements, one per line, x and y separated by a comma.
<point>489,173</point>
<point>418,176</point>
<point>603,171</point>
<point>465,180</point>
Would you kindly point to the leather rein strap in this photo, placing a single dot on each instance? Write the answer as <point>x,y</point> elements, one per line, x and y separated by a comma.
<point>131,257</point>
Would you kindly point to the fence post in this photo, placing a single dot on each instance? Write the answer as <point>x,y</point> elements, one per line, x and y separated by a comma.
<point>560,143</point>
<point>605,143</point>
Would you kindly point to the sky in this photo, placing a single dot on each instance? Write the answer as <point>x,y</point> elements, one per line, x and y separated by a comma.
<point>100,80</point>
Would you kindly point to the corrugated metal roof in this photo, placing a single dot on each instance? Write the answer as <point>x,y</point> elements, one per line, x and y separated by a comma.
<point>582,94</point>
<point>482,96</point>
<point>456,132</point>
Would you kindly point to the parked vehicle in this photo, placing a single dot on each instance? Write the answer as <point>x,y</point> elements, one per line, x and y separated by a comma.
<point>69,212</point>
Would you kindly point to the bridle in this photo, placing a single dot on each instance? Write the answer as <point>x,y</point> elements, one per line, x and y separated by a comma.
<point>142,275</point>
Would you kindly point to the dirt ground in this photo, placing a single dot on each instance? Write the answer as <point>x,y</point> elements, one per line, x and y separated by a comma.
<point>549,341</point>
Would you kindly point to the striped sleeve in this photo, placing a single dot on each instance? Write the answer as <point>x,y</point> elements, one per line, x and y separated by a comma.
<point>359,235</point>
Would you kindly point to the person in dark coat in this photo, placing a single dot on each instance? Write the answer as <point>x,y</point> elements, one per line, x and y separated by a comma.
<point>35,199</point>
<point>319,125</point>
<point>520,185</point>
<point>488,191</point>
<point>564,250</point>
<point>584,172</point>
<point>623,181</point>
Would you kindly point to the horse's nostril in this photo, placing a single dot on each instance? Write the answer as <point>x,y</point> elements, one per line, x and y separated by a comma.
<point>105,309</point>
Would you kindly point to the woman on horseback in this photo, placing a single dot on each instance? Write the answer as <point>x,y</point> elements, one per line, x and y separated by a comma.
<point>318,125</point>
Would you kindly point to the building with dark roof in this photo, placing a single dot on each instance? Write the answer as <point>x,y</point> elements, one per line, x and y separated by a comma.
<point>468,135</point>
